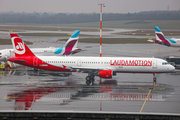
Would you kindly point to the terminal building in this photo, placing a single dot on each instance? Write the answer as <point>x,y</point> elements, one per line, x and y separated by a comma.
<point>175,61</point>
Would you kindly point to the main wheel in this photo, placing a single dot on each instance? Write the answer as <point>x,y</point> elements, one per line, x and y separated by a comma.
<point>88,82</point>
<point>92,76</point>
<point>88,78</point>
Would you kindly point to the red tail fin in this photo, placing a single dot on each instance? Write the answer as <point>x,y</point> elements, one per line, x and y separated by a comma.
<point>13,35</point>
<point>20,48</point>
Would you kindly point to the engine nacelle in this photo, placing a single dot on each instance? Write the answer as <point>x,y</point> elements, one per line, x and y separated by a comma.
<point>105,74</point>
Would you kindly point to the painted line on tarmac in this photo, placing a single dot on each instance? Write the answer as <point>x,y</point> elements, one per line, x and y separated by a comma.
<point>145,101</point>
<point>46,79</point>
<point>40,79</point>
<point>151,88</point>
<point>33,79</point>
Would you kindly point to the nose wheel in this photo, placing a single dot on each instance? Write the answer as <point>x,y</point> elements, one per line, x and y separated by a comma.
<point>154,79</point>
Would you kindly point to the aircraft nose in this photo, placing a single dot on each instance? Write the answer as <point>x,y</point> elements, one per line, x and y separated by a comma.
<point>171,68</point>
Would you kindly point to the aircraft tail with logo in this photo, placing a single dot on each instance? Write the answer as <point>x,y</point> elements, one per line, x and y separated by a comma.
<point>166,41</point>
<point>159,35</point>
<point>23,55</point>
<point>70,46</point>
<point>20,48</point>
<point>160,39</point>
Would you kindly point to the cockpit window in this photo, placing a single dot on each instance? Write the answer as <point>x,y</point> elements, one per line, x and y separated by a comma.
<point>0,53</point>
<point>165,63</point>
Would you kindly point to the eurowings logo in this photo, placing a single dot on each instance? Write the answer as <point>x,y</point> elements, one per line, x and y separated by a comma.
<point>18,45</point>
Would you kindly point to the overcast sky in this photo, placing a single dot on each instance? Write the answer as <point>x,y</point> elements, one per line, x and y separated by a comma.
<point>87,6</point>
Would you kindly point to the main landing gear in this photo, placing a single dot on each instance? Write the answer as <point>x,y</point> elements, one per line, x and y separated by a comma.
<point>90,79</point>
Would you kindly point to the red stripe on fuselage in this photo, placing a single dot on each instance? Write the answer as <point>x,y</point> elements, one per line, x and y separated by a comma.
<point>35,62</point>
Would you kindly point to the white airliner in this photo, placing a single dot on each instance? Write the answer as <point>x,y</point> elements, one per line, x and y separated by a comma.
<point>70,47</point>
<point>160,39</point>
<point>104,67</point>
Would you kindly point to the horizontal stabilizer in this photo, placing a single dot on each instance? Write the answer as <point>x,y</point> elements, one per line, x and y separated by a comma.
<point>17,60</point>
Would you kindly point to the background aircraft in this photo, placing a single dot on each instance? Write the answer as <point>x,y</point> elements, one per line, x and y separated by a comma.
<point>160,39</point>
<point>70,47</point>
<point>104,67</point>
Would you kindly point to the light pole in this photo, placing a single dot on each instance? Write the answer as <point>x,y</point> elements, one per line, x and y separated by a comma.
<point>101,5</point>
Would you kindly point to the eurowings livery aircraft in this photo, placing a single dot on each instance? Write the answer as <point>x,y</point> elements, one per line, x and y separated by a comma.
<point>70,47</point>
<point>160,39</point>
<point>104,67</point>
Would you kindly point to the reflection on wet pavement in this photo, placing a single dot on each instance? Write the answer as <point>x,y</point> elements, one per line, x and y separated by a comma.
<point>65,90</point>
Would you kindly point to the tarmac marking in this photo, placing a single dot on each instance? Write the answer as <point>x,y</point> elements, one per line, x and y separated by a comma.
<point>145,101</point>
<point>33,79</point>
<point>46,79</point>
<point>40,79</point>
<point>152,88</point>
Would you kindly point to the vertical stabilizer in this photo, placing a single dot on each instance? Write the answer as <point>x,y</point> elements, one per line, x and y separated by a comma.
<point>159,35</point>
<point>20,48</point>
<point>70,46</point>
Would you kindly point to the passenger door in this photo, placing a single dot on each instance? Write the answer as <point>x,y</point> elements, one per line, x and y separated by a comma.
<point>154,65</point>
<point>79,63</point>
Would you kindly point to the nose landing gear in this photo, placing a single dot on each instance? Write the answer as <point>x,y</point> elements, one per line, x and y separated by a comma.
<point>154,79</point>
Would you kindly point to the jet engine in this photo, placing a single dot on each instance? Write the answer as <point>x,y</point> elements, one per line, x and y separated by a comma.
<point>105,74</point>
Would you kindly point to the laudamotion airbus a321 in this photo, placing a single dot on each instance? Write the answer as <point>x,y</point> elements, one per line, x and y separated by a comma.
<point>70,47</point>
<point>104,67</point>
<point>160,39</point>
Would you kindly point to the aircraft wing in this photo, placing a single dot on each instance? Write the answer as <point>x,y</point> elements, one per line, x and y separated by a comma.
<point>90,69</point>
<point>85,69</point>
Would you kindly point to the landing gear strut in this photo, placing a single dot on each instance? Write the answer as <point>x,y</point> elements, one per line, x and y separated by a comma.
<point>90,79</point>
<point>154,79</point>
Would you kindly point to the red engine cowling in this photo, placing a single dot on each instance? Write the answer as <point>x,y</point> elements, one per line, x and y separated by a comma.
<point>105,74</point>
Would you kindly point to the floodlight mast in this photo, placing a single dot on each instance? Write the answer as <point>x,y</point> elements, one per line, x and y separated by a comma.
<point>101,5</point>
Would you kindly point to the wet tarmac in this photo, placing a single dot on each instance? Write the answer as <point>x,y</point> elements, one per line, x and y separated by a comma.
<point>23,89</point>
